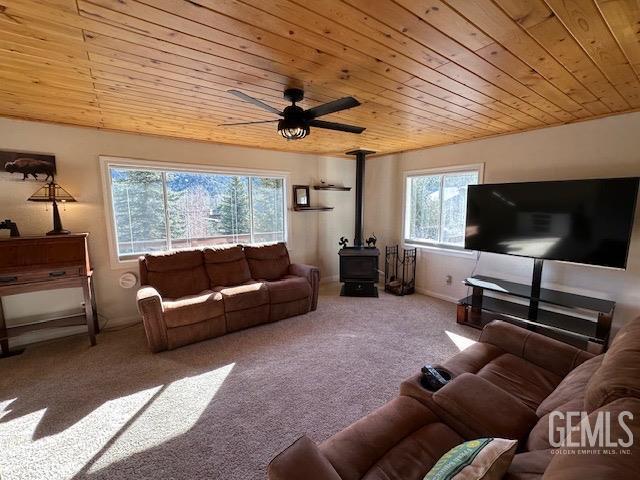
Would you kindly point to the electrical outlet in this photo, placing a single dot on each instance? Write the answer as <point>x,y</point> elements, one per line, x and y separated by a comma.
<point>449,279</point>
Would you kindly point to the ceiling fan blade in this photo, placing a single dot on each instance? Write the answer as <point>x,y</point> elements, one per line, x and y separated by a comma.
<point>341,127</point>
<point>247,123</point>
<point>331,107</point>
<point>255,101</point>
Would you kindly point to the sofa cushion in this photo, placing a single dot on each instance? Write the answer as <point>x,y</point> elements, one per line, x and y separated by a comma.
<point>192,309</point>
<point>469,404</point>
<point>179,336</point>
<point>619,374</point>
<point>394,442</point>
<point>250,317</point>
<point>288,289</point>
<point>412,456</point>
<point>524,380</point>
<point>302,459</point>
<point>548,353</point>
<point>172,261</point>
<point>177,274</point>
<point>473,358</point>
<point>268,262</point>
<point>572,387</point>
<point>226,266</point>
<point>279,311</point>
<point>539,435</point>
<point>241,297</point>
<point>529,465</point>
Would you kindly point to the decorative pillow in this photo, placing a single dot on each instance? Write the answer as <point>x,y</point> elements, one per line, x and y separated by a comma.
<point>482,459</point>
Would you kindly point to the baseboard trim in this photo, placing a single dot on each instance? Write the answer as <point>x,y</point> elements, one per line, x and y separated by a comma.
<point>121,322</point>
<point>431,293</point>
<point>28,339</point>
<point>330,279</point>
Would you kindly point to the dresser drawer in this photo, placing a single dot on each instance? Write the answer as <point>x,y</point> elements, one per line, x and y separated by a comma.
<point>39,275</point>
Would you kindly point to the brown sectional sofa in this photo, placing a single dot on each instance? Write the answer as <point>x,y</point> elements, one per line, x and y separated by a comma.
<point>506,385</point>
<point>191,295</point>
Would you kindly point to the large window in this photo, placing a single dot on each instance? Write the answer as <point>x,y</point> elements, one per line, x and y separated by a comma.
<point>436,206</point>
<point>156,209</point>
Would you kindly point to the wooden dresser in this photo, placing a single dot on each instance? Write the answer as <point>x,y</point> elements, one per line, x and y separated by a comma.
<point>30,264</point>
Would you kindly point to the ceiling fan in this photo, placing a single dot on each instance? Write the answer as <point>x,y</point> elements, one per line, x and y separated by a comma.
<point>295,121</point>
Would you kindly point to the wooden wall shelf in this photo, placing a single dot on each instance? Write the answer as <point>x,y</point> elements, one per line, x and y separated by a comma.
<point>333,188</point>
<point>312,209</point>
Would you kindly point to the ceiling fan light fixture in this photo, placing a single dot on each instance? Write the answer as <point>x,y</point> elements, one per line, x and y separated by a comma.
<point>292,130</point>
<point>296,122</point>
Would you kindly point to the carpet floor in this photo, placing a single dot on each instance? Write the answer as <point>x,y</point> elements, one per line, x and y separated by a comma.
<point>219,409</point>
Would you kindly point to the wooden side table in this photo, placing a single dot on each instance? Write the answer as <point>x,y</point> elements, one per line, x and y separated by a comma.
<point>31,264</point>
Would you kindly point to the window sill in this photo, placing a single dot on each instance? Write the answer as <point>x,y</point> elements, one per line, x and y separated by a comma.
<point>439,250</point>
<point>124,264</point>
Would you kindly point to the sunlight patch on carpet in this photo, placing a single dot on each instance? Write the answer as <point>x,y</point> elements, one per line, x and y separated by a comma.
<point>174,412</point>
<point>61,456</point>
<point>459,341</point>
<point>4,406</point>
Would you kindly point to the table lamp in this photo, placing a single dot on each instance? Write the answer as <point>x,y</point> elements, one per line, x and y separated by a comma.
<point>52,192</point>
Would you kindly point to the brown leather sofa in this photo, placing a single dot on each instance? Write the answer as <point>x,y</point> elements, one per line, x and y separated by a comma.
<point>191,295</point>
<point>506,385</point>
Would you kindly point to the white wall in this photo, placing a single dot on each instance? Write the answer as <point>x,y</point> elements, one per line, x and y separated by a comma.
<point>77,150</point>
<point>597,148</point>
<point>608,147</point>
<point>382,203</point>
<point>339,222</point>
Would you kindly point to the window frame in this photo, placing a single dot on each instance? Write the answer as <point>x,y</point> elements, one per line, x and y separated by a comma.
<point>435,247</point>
<point>107,162</point>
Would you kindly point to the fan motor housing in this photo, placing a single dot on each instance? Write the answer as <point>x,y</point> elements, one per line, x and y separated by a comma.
<point>294,94</point>
<point>293,113</point>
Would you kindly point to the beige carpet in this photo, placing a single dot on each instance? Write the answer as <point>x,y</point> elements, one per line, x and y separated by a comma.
<point>220,409</point>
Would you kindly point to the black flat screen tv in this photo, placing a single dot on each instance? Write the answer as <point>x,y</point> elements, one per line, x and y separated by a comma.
<point>580,221</point>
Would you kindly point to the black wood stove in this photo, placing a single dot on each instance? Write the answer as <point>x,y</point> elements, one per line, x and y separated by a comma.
<point>359,264</point>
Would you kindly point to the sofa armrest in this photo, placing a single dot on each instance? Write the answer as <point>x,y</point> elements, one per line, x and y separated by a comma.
<point>302,459</point>
<point>475,407</point>
<point>150,307</point>
<point>402,421</point>
<point>312,274</point>
<point>552,355</point>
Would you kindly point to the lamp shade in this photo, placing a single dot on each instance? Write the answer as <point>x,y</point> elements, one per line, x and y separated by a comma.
<point>292,129</point>
<point>54,193</point>
<point>51,192</point>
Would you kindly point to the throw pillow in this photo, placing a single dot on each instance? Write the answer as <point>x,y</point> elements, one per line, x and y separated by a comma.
<point>482,459</point>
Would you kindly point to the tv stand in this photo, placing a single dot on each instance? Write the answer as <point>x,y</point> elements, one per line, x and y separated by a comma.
<point>550,312</point>
<point>536,284</point>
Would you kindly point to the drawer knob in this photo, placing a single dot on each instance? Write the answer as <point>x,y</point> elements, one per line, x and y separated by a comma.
<point>8,279</point>
<point>61,273</point>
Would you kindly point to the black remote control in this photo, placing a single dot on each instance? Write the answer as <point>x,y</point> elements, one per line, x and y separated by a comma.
<point>432,379</point>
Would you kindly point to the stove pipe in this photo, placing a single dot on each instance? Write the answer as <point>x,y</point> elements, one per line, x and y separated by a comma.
<point>359,224</point>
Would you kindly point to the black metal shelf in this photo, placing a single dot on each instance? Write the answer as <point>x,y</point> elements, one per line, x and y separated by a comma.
<point>549,312</point>
<point>569,325</point>
<point>552,297</point>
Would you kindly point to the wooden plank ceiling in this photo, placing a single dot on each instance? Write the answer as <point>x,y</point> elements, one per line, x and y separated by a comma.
<point>427,72</point>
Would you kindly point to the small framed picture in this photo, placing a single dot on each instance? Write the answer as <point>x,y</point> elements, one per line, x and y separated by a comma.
<point>301,196</point>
